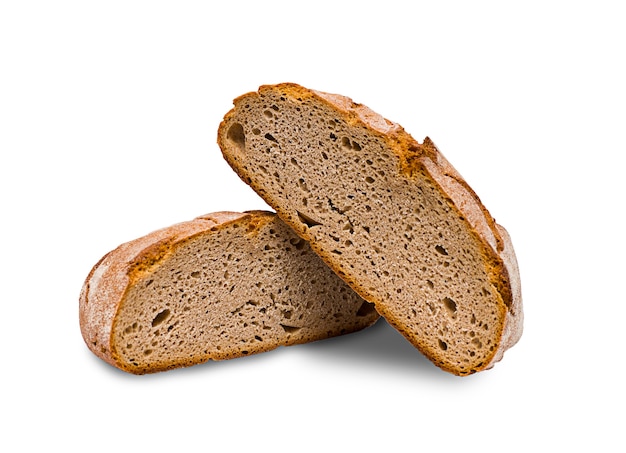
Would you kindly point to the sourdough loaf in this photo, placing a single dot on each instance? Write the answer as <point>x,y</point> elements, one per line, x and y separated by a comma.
<point>220,286</point>
<point>389,215</point>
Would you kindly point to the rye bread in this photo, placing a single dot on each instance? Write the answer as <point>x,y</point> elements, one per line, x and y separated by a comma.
<point>221,286</point>
<point>389,215</point>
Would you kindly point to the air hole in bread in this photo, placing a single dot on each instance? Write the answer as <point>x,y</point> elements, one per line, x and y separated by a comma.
<point>237,135</point>
<point>351,145</point>
<point>290,329</point>
<point>159,318</point>
<point>450,306</point>
<point>443,345</point>
<point>441,250</point>
<point>302,185</point>
<point>298,243</point>
<point>270,137</point>
<point>365,309</point>
<point>308,221</point>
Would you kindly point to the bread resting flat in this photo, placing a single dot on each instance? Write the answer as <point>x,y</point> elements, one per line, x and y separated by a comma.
<point>390,215</point>
<point>220,286</point>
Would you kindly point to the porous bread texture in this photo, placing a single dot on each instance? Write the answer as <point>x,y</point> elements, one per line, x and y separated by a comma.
<point>391,216</point>
<point>221,286</point>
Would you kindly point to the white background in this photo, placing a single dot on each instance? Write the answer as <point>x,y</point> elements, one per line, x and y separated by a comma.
<point>108,120</point>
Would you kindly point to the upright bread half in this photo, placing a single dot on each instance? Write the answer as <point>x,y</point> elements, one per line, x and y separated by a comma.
<point>390,215</point>
<point>221,286</point>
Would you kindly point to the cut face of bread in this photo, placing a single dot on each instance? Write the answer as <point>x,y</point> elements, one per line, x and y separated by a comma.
<point>221,286</point>
<point>390,215</point>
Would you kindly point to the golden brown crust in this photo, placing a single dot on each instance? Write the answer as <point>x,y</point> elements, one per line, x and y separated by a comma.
<point>415,158</point>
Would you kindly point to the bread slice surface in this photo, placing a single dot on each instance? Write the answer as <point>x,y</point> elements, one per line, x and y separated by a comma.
<point>390,215</point>
<point>221,286</point>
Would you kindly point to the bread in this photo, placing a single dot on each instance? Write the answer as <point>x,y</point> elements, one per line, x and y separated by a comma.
<point>221,286</point>
<point>389,215</point>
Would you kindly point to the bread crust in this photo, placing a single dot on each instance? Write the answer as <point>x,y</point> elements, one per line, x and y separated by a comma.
<point>415,158</point>
<point>110,280</point>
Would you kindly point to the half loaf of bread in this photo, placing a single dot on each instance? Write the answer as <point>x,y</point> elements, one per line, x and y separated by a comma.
<point>390,215</point>
<point>221,286</point>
